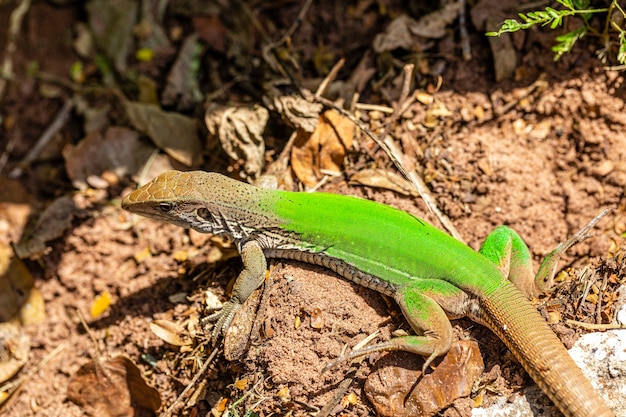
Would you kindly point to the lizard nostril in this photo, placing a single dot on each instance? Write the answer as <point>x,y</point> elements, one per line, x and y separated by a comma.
<point>166,207</point>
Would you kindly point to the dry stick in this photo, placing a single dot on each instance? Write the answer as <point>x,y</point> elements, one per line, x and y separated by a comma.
<point>271,47</point>
<point>403,105</point>
<point>193,382</point>
<point>89,332</point>
<point>15,23</point>
<point>594,326</point>
<point>394,154</point>
<point>339,393</point>
<point>321,89</point>
<point>13,139</point>
<point>10,388</point>
<point>466,47</point>
<point>45,138</point>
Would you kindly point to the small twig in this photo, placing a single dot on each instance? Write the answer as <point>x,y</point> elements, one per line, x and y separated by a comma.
<point>373,107</point>
<point>280,164</point>
<point>15,23</point>
<point>466,47</point>
<point>59,121</point>
<point>12,387</point>
<point>539,84</point>
<point>391,149</point>
<point>594,326</point>
<point>321,89</point>
<point>338,394</point>
<point>270,47</point>
<point>193,382</point>
<point>13,139</point>
<point>295,24</point>
<point>586,287</point>
<point>89,333</point>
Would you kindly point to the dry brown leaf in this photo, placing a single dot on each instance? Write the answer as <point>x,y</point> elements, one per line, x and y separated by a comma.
<point>240,132</point>
<point>51,224</point>
<point>33,311</point>
<point>176,134</point>
<point>396,35</point>
<point>16,281</point>
<point>182,89</point>
<point>237,337</point>
<point>322,150</point>
<point>381,178</point>
<point>119,150</point>
<point>407,33</point>
<point>170,332</point>
<point>433,25</point>
<point>298,112</point>
<point>112,388</point>
<point>14,349</point>
<point>393,391</point>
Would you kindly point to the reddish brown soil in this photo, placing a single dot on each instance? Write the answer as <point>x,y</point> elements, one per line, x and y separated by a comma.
<point>545,167</point>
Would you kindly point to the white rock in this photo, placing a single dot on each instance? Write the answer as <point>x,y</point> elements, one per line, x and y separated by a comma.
<point>602,358</point>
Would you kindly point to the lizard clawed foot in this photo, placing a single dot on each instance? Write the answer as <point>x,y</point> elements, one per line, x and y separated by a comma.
<point>390,345</point>
<point>545,274</point>
<point>222,319</point>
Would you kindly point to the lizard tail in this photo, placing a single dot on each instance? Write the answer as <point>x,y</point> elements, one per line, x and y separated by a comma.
<point>507,313</point>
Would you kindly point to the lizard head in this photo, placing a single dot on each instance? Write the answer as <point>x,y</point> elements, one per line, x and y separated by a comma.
<point>188,199</point>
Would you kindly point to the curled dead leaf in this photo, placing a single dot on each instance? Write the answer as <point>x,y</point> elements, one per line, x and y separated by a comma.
<point>298,112</point>
<point>237,337</point>
<point>407,33</point>
<point>176,134</point>
<point>14,349</point>
<point>112,388</point>
<point>322,150</point>
<point>240,130</point>
<point>381,178</point>
<point>393,391</point>
<point>51,224</point>
<point>170,332</point>
<point>119,151</point>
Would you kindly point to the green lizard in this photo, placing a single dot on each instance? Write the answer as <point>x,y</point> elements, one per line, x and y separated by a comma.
<point>432,276</point>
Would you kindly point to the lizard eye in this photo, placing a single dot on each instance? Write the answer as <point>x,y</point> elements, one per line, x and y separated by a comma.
<point>203,213</point>
<point>166,207</point>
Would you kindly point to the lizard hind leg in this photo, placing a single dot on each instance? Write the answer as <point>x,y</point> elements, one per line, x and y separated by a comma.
<point>508,251</point>
<point>426,317</point>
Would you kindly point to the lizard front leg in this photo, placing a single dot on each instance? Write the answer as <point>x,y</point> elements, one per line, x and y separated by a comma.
<point>250,278</point>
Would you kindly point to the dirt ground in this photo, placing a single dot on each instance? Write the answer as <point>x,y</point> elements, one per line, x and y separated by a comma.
<point>543,152</point>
